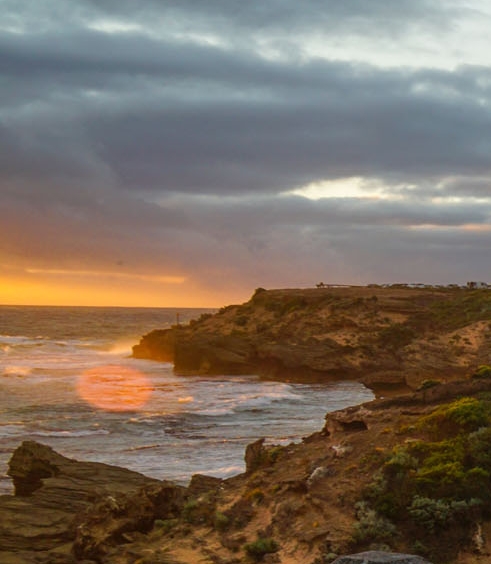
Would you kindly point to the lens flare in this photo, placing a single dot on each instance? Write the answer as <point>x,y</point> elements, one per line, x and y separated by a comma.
<point>114,388</point>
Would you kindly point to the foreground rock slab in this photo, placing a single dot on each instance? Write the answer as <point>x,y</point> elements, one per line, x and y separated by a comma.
<point>65,508</point>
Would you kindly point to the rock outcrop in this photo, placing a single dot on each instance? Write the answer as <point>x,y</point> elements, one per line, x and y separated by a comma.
<point>386,338</point>
<point>60,502</point>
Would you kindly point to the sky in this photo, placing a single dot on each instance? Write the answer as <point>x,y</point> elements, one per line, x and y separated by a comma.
<point>157,153</point>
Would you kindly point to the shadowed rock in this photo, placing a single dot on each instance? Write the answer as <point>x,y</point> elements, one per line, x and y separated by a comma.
<point>380,557</point>
<point>254,455</point>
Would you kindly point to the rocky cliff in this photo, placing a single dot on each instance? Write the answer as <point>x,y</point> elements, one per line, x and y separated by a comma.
<point>385,337</point>
<point>408,474</point>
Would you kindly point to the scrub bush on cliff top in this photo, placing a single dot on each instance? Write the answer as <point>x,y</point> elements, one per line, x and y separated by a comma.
<point>396,336</point>
<point>371,526</point>
<point>259,548</point>
<point>463,415</point>
<point>442,484</point>
<point>482,371</point>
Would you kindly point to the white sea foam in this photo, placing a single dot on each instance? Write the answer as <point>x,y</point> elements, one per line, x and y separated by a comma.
<point>228,471</point>
<point>121,348</point>
<point>73,434</point>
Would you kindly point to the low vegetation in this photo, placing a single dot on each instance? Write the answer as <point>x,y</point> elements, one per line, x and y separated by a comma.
<point>259,548</point>
<point>434,484</point>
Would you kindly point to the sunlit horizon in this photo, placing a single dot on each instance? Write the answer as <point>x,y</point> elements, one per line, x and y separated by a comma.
<point>21,293</point>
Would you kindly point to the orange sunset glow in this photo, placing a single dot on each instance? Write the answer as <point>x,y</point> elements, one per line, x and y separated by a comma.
<point>107,289</point>
<point>114,388</point>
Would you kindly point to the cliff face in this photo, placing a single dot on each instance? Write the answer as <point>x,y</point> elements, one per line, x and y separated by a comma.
<point>355,485</point>
<point>383,337</point>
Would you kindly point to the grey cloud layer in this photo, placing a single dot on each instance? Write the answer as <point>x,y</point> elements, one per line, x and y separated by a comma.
<point>212,15</point>
<point>215,121</point>
<point>159,151</point>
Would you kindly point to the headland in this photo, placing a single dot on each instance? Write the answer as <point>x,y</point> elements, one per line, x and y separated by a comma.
<point>392,339</point>
<point>406,473</point>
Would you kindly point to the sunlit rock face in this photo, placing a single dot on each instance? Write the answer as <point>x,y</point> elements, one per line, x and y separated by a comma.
<point>388,338</point>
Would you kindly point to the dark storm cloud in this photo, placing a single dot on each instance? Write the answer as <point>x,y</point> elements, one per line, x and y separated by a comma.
<point>175,139</point>
<point>215,121</point>
<point>267,146</point>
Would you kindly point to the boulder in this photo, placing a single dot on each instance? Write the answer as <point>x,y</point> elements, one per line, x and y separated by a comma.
<point>201,484</point>
<point>380,557</point>
<point>254,455</point>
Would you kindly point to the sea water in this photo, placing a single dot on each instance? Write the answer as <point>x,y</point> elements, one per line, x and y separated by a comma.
<point>182,425</point>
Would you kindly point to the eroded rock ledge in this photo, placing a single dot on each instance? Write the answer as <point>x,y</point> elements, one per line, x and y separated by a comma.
<point>389,339</point>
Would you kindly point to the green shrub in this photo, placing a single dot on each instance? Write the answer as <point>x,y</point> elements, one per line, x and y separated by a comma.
<point>469,413</point>
<point>371,526</point>
<point>396,336</point>
<point>273,453</point>
<point>442,485</point>
<point>434,514</point>
<point>259,548</point>
<point>165,525</point>
<point>482,371</point>
<point>465,414</point>
<point>199,510</point>
<point>419,548</point>
<point>446,477</point>
<point>221,522</point>
<point>479,447</point>
<point>427,384</point>
<point>255,495</point>
<point>400,462</point>
<point>190,510</point>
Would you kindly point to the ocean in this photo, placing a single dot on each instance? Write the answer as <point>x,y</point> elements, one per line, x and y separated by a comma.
<point>67,380</point>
